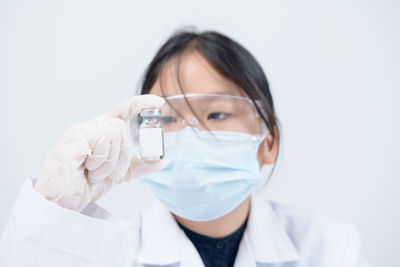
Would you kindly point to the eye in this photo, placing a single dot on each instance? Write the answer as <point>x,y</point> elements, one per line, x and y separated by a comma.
<point>167,119</point>
<point>218,115</point>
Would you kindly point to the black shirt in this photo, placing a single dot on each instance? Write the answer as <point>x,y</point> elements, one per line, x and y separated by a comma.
<point>216,252</point>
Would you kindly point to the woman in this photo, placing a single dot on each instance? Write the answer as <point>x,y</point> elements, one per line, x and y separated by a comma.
<point>221,142</point>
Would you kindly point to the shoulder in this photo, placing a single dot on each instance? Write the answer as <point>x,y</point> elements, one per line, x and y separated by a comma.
<point>309,220</point>
<point>314,233</point>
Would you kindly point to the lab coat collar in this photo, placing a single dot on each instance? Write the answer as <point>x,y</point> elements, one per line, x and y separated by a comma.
<point>266,235</point>
<point>265,239</point>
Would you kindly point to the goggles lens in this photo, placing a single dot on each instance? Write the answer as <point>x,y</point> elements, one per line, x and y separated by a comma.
<point>211,113</point>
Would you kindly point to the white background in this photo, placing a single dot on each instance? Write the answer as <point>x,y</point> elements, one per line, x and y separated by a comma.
<point>333,69</point>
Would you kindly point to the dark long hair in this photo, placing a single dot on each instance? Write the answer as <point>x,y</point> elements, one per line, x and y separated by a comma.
<point>229,58</point>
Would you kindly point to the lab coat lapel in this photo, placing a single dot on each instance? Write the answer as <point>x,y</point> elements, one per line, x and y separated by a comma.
<point>265,239</point>
<point>163,242</point>
<point>160,239</point>
<point>244,255</point>
<point>190,256</point>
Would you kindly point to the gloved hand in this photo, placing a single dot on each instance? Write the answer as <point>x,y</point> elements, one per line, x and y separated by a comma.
<point>93,156</point>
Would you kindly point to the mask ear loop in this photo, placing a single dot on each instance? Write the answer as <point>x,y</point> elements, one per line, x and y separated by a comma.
<point>266,169</point>
<point>265,173</point>
<point>263,131</point>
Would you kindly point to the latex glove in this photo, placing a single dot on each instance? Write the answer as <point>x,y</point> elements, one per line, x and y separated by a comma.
<point>93,156</point>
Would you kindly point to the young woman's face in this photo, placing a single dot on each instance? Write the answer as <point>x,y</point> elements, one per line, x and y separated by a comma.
<point>198,76</point>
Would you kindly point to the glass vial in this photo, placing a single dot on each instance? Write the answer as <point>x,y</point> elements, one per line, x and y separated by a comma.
<point>151,139</point>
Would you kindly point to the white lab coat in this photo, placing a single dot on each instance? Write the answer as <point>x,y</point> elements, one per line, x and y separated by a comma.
<point>41,234</point>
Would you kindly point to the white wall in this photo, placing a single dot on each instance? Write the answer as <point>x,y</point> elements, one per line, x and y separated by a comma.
<point>334,73</point>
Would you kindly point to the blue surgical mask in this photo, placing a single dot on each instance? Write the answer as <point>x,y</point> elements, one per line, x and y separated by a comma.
<point>206,179</point>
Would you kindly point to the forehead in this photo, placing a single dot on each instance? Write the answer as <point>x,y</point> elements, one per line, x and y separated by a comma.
<point>196,75</point>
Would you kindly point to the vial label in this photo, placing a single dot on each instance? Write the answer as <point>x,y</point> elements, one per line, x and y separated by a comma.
<point>151,142</point>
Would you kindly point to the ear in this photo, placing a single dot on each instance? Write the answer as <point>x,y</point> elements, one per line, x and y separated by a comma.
<point>266,151</point>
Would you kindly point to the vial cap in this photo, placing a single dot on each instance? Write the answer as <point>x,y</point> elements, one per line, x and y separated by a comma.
<point>150,112</point>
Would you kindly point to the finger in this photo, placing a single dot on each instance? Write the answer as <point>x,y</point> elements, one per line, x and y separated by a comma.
<point>124,160</point>
<point>100,152</point>
<point>106,168</point>
<point>134,104</point>
<point>98,133</point>
<point>139,167</point>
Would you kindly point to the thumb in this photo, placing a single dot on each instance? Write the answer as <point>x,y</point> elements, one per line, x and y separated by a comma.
<point>139,167</point>
<point>126,109</point>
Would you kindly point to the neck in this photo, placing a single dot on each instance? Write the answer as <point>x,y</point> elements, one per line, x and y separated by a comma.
<point>222,226</point>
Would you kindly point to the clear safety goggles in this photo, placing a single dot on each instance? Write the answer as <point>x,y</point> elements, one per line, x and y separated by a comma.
<point>214,117</point>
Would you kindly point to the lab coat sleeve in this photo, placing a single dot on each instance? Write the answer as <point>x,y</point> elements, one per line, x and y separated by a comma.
<point>352,252</point>
<point>41,233</point>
